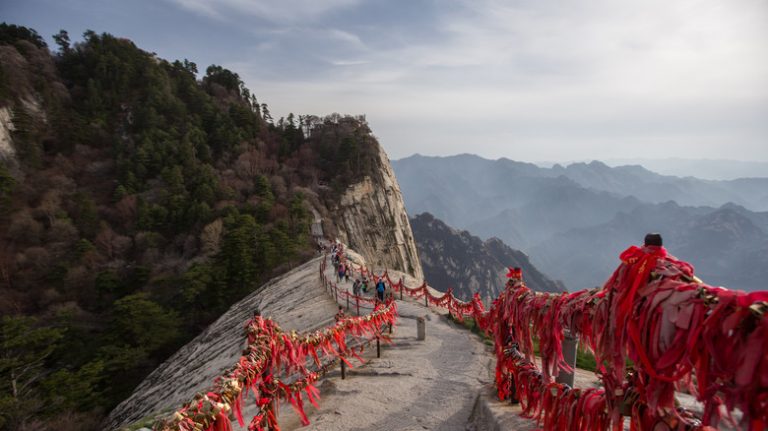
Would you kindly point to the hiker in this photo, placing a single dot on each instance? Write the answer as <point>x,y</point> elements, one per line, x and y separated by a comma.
<point>364,285</point>
<point>356,287</point>
<point>347,270</point>
<point>340,315</point>
<point>380,288</point>
<point>340,273</point>
<point>335,261</point>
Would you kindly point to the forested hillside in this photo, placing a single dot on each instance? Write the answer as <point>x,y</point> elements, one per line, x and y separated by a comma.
<point>139,198</point>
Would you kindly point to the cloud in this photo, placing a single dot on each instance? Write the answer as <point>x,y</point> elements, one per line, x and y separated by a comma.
<point>564,78</point>
<point>346,37</point>
<point>283,11</point>
<point>348,62</point>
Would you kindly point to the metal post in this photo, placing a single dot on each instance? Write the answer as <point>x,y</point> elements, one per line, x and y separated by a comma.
<point>336,292</point>
<point>513,390</point>
<point>343,369</point>
<point>357,300</point>
<point>426,298</point>
<point>390,327</point>
<point>273,407</point>
<point>347,302</point>
<point>570,343</point>
<point>378,347</point>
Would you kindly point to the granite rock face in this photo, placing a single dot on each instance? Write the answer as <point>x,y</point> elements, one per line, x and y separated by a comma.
<point>372,220</point>
<point>7,151</point>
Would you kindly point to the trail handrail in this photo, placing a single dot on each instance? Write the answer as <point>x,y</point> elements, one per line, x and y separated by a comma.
<point>679,333</point>
<point>270,353</point>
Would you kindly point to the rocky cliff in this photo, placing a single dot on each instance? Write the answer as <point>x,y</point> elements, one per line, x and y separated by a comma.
<point>371,218</point>
<point>457,259</point>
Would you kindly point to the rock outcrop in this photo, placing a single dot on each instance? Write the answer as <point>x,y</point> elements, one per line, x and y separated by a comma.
<point>373,221</point>
<point>7,151</point>
<point>457,259</point>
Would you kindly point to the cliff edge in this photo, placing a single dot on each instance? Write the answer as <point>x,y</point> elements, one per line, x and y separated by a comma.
<point>371,219</point>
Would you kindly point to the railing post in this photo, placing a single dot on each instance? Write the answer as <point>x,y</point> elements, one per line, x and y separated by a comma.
<point>347,302</point>
<point>343,369</point>
<point>512,386</point>
<point>402,287</point>
<point>273,408</point>
<point>421,329</point>
<point>570,342</point>
<point>378,347</point>
<point>357,301</point>
<point>426,298</point>
<point>336,292</point>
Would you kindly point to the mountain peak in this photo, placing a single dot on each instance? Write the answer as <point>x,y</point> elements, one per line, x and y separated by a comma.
<point>452,257</point>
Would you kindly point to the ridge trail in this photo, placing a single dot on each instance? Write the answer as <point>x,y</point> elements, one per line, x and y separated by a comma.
<point>432,384</point>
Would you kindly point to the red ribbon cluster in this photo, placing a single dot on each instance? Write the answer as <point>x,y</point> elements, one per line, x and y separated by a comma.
<point>455,306</point>
<point>271,354</point>
<point>678,333</point>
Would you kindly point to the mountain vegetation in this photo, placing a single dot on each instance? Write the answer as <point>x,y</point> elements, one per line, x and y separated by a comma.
<point>139,199</point>
<point>574,221</point>
<point>459,260</point>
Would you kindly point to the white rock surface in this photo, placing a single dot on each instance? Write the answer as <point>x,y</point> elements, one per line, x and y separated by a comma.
<point>7,151</point>
<point>372,220</point>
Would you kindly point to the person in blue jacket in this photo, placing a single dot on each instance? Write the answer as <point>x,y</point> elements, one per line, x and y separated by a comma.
<point>380,288</point>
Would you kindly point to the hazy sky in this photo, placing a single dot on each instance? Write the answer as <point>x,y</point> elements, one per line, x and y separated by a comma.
<point>524,79</point>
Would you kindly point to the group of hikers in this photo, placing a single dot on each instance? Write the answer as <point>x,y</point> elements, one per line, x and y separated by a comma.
<point>344,272</point>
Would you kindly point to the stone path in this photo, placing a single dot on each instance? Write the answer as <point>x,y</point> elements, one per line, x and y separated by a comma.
<point>415,385</point>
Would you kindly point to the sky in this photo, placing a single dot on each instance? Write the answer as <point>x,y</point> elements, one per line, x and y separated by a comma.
<point>529,80</point>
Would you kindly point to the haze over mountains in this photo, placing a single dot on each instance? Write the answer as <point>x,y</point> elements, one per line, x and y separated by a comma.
<point>707,169</point>
<point>573,221</point>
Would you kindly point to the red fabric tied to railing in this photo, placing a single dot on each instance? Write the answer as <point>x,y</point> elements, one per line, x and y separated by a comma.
<point>271,353</point>
<point>678,334</point>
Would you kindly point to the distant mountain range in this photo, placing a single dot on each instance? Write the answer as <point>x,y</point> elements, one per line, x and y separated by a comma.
<point>700,168</point>
<point>574,220</point>
<point>457,259</point>
<point>728,246</point>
